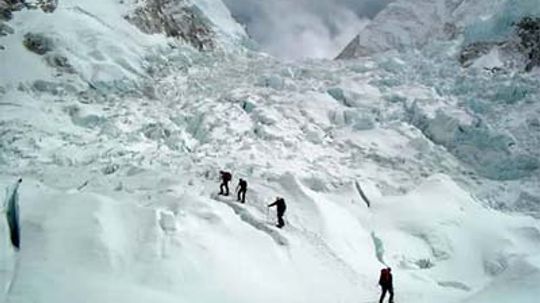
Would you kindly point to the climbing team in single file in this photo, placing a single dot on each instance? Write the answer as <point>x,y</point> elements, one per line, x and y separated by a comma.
<point>385,278</point>
<point>241,190</point>
<point>225,179</point>
<point>11,206</point>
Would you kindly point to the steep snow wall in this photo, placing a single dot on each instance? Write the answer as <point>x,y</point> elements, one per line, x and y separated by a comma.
<point>76,47</point>
<point>79,43</point>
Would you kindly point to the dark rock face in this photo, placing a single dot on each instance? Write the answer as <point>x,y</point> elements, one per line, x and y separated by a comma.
<point>352,50</point>
<point>175,18</point>
<point>48,6</point>
<point>7,7</point>
<point>525,41</point>
<point>38,43</point>
<point>528,31</point>
<point>474,51</point>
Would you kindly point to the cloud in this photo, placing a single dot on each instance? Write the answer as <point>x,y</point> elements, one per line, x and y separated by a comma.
<point>298,29</point>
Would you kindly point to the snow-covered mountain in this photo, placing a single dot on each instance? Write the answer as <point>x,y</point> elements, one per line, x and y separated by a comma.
<point>82,38</point>
<point>403,25</point>
<point>483,29</point>
<point>118,115</point>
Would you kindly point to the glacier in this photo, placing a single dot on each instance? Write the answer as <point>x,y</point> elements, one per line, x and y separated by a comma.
<point>403,159</point>
<point>403,24</point>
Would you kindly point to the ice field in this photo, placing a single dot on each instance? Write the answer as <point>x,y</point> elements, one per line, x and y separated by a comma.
<point>402,159</point>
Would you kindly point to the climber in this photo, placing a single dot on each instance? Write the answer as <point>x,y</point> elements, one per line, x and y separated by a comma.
<point>385,281</point>
<point>281,207</point>
<point>225,178</point>
<point>241,189</point>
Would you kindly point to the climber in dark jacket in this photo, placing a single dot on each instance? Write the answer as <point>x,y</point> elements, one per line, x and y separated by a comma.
<point>242,188</point>
<point>385,281</point>
<point>224,186</point>
<point>281,208</point>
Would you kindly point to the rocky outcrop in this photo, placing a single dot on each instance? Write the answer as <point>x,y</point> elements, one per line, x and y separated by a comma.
<point>528,31</point>
<point>520,50</point>
<point>476,50</point>
<point>353,50</point>
<point>38,43</point>
<point>48,6</point>
<point>175,18</point>
<point>7,7</point>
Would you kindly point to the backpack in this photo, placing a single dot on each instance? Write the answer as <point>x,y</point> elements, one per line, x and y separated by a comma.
<point>227,176</point>
<point>385,277</point>
<point>243,184</point>
<point>281,206</point>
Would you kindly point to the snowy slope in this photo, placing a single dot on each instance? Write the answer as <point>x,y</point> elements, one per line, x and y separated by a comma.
<point>86,33</point>
<point>83,39</point>
<point>118,202</point>
<point>401,25</point>
<point>405,24</point>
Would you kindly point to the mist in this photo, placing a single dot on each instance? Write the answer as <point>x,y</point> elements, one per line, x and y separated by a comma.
<point>300,29</point>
